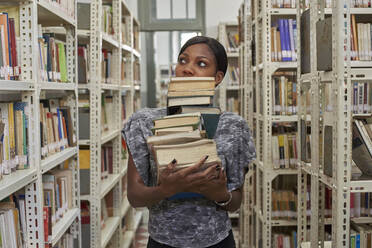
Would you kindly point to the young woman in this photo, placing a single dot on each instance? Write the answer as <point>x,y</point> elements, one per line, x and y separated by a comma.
<point>194,222</point>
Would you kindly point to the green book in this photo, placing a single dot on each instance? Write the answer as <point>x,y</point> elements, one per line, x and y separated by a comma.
<point>62,62</point>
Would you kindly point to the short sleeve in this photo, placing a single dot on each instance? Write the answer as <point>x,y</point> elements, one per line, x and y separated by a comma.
<point>135,132</point>
<point>247,149</point>
<point>235,147</point>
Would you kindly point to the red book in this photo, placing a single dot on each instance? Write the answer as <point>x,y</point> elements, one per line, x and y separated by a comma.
<point>47,218</point>
<point>13,47</point>
<point>352,204</point>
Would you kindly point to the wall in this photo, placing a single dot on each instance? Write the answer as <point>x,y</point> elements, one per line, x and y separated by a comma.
<point>133,7</point>
<point>220,11</point>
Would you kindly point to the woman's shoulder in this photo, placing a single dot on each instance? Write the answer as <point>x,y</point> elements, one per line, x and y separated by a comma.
<point>148,113</point>
<point>230,119</point>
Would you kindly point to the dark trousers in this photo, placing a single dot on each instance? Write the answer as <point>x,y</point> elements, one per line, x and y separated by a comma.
<point>228,242</point>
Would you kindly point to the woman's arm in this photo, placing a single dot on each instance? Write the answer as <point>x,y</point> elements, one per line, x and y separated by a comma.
<point>171,182</point>
<point>216,190</point>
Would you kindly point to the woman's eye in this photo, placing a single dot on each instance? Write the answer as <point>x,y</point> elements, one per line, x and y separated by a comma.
<point>182,61</point>
<point>202,64</point>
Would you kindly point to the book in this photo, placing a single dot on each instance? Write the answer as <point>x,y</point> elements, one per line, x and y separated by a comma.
<point>197,100</point>
<point>172,130</point>
<point>191,93</point>
<point>191,84</point>
<point>186,154</point>
<point>175,138</point>
<point>191,119</point>
<point>361,148</point>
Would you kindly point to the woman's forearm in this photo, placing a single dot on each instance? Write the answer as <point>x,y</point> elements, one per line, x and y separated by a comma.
<point>140,195</point>
<point>235,201</point>
<point>144,196</point>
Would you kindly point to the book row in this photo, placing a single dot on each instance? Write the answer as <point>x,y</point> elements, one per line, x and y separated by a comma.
<point>9,44</point>
<point>360,235</point>
<point>362,144</point>
<point>361,45</point>
<point>57,198</point>
<point>56,127</point>
<point>232,41</point>
<point>284,205</point>
<point>284,40</point>
<point>283,4</point>
<point>106,67</point>
<point>52,58</point>
<point>234,75</point>
<point>284,95</point>
<point>232,104</point>
<point>362,98</point>
<point>14,139</point>
<point>281,240</point>
<point>107,20</point>
<point>284,151</point>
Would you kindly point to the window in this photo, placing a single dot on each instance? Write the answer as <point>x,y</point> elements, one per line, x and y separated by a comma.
<point>171,15</point>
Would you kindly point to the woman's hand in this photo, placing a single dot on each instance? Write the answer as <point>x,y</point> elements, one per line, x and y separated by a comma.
<point>172,181</point>
<point>215,188</point>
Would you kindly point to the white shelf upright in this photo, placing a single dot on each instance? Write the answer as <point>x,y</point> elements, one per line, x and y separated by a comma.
<point>32,13</point>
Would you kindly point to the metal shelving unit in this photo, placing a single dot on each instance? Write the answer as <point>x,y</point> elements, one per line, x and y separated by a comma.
<point>226,88</point>
<point>30,90</point>
<point>258,69</point>
<point>121,45</point>
<point>245,34</point>
<point>341,80</point>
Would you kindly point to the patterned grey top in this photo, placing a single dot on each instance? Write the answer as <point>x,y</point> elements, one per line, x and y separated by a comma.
<point>193,222</point>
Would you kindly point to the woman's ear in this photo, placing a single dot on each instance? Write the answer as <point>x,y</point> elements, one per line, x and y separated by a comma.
<point>218,78</point>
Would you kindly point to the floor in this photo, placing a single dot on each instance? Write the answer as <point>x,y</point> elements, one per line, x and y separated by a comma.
<point>142,233</point>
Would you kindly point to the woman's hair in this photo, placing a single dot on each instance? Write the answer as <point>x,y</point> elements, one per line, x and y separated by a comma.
<point>215,46</point>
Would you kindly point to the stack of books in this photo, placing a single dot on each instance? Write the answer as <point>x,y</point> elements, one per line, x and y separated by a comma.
<point>186,133</point>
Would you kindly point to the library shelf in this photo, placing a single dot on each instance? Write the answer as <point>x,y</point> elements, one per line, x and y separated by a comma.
<point>109,135</point>
<point>126,48</point>
<point>128,239</point>
<point>136,53</point>
<point>125,206</point>
<point>283,11</point>
<point>15,181</point>
<point>57,86</point>
<point>53,160</point>
<point>108,183</point>
<point>233,54</point>
<point>50,14</point>
<point>110,40</point>
<point>111,224</point>
<point>284,223</point>
<point>63,224</point>
<point>13,85</point>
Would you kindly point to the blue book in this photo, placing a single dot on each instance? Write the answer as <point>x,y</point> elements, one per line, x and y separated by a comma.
<point>294,26</point>
<point>185,195</point>
<point>287,42</point>
<point>357,240</point>
<point>49,57</point>
<point>60,126</point>
<point>282,43</point>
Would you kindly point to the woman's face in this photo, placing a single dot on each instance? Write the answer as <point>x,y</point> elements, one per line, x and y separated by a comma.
<point>198,61</point>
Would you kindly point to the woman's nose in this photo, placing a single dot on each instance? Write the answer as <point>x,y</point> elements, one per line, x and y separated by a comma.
<point>188,70</point>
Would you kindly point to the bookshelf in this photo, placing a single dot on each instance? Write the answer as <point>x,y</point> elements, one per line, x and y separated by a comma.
<point>270,107</point>
<point>229,91</point>
<point>110,44</point>
<point>22,83</point>
<point>245,34</point>
<point>329,176</point>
